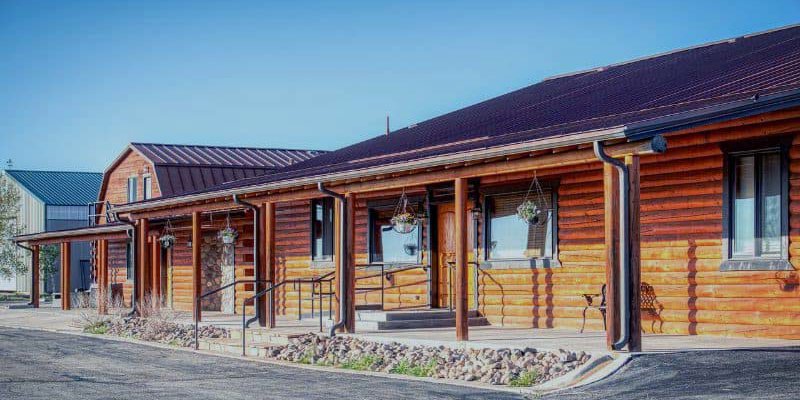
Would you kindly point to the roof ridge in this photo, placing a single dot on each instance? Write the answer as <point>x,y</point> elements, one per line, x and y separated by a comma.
<point>669,52</point>
<point>223,146</point>
<point>52,171</point>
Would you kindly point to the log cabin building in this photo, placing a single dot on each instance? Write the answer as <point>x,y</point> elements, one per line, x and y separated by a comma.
<point>659,195</point>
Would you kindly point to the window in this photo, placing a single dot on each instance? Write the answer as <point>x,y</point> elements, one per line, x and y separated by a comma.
<point>756,202</point>
<point>322,229</point>
<point>147,186</point>
<point>129,261</point>
<point>131,189</point>
<point>510,238</point>
<point>388,246</point>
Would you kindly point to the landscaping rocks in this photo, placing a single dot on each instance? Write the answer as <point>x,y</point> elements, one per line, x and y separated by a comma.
<point>493,366</point>
<point>161,331</point>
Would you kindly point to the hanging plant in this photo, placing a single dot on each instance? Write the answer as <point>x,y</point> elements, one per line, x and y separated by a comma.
<point>167,240</point>
<point>228,235</point>
<point>404,220</point>
<point>535,209</point>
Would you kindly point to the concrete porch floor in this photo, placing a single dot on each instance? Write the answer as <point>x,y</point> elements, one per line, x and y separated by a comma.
<point>509,337</point>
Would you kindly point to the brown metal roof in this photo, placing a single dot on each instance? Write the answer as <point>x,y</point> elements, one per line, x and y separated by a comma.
<point>190,168</point>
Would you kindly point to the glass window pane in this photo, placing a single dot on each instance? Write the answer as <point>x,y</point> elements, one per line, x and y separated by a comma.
<point>513,238</point>
<point>390,246</point>
<point>771,204</point>
<point>744,206</point>
<point>322,229</point>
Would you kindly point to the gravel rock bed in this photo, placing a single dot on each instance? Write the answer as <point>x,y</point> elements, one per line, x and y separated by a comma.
<point>494,366</point>
<point>161,331</point>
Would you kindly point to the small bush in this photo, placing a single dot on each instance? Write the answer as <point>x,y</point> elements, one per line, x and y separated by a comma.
<point>406,368</point>
<point>525,379</point>
<point>361,363</point>
<point>98,329</point>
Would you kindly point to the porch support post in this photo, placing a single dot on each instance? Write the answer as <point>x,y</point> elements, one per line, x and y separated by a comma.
<point>635,332</point>
<point>611,234</point>
<point>337,248</point>
<point>266,304</point>
<point>35,276</point>
<point>66,260</point>
<point>155,269</point>
<point>462,267</point>
<point>142,274</point>
<point>102,277</point>
<point>197,244</point>
<point>349,250</point>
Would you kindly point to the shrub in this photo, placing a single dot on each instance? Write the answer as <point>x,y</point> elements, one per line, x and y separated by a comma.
<point>362,363</point>
<point>525,379</point>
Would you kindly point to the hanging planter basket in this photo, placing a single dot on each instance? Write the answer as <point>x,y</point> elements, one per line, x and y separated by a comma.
<point>167,240</point>
<point>404,220</point>
<point>404,223</point>
<point>535,208</point>
<point>228,235</point>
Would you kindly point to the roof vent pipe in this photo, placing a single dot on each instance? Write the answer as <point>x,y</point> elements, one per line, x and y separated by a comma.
<point>624,243</point>
<point>343,270</point>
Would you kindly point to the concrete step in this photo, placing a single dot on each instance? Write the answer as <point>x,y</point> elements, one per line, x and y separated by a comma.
<point>234,347</point>
<point>411,319</point>
<point>383,316</point>
<point>261,336</point>
<point>416,324</point>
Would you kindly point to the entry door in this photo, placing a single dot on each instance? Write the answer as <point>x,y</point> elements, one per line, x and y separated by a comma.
<point>447,256</point>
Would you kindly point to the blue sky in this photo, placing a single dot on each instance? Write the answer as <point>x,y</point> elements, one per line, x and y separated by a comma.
<point>81,79</point>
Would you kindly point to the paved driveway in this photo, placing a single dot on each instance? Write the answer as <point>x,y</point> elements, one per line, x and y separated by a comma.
<point>732,374</point>
<point>44,365</point>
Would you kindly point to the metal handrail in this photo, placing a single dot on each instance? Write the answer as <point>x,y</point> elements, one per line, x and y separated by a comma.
<point>272,289</point>
<point>199,300</point>
<point>382,274</point>
<point>451,265</point>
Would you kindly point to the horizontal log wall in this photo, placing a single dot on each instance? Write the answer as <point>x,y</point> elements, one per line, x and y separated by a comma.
<point>117,271</point>
<point>684,291</point>
<point>181,258</point>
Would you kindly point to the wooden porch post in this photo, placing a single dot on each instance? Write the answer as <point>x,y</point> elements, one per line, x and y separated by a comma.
<point>266,304</point>
<point>142,274</point>
<point>66,260</point>
<point>197,244</point>
<point>611,234</point>
<point>35,276</point>
<point>350,298</point>
<point>102,277</point>
<point>155,269</point>
<point>461,232</point>
<point>635,341</point>
<point>337,248</point>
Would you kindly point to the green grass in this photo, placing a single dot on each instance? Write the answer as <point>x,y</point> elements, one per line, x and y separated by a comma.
<point>406,368</point>
<point>362,363</point>
<point>99,328</point>
<point>307,357</point>
<point>525,379</point>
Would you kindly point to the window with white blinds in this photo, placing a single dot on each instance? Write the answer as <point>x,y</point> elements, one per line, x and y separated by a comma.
<point>511,238</point>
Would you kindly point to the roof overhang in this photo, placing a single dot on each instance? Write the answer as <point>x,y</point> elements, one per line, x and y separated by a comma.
<point>632,132</point>
<point>108,231</point>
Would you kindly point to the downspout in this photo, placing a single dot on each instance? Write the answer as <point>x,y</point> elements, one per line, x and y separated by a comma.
<point>343,278</point>
<point>136,283</point>
<point>21,246</point>
<point>624,245</point>
<point>256,253</point>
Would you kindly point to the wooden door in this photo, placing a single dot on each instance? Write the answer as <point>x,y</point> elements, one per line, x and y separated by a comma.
<point>447,256</point>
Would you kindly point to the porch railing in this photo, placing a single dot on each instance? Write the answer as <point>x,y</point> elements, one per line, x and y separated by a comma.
<point>383,273</point>
<point>451,265</point>
<point>199,301</point>
<point>271,290</point>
